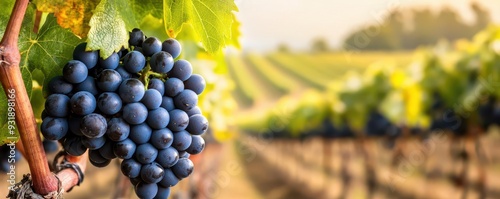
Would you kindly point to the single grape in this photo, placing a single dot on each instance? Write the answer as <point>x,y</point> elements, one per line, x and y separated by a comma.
<point>169,179</point>
<point>93,125</point>
<point>158,118</point>
<point>167,103</point>
<point>195,83</point>
<point>88,85</point>
<point>145,190</point>
<point>100,164</point>
<point>134,61</point>
<point>96,159</point>
<point>163,192</point>
<point>109,103</point>
<point>131,90</point>
<point>162,138</point>
<point>167,157</point>
<point>75,71</point>
<point>109,80</point>
<point>60,86</point>
<point>182,69</point>
<point>183,168</point>
<point>118,129</point>
<point>73,145</point>
<point>107,150</point>
<point>111,62</point>
<point>89,58</point>
<point>186,100</point>
<point>161,62</point>
<point>172,46</point>
<point>140,134</point>
<point>146,153</point>
<point>54,128</point>
<point>74,125</point>
<point>197,145</point>
<point>151,46</point>
<point>157,84</point>
<point>182,140</point>
<point>136,37</point>
<point>152,99</point>
<point>152,173</point>
<point>124,149</point>
<point>184,154</point>
<point>93,143</point>
<point>179,120</point>
<point>50,146</point>
<point>198,124</point>
<point>131,168</point>
<point>123,72</point>
<point>82,103</point>
<point>135,113</point>
<point>57,105</point>
<point>195,110</point>
<point>173,87</point>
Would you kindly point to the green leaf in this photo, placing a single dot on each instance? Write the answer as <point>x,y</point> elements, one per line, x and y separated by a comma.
<point>144,8</point>
<point>211,20</point>
<point>109,27</point>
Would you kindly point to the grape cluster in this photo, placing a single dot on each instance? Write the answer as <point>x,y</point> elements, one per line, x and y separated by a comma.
<point>139,105</point>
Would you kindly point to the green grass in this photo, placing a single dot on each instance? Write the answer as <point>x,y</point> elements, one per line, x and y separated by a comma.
<point>272,74</point>
<point>245,89</point>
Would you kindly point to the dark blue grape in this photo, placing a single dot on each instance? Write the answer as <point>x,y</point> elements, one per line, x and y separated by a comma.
<point>195,83</point>
<point>111,62</point>
<point>146,190</point>
<point>169,179</point>
<point>152,173</point>
<point>162,138</point>
<point>186,100</point>
<point>163,192</point>
<point>140,134</point>
<point>158,118</point>
<point>167,157</point>
<point>73,145</point>
<point>184,154</point>
<point>135,113</point>
<point>131,90</point>
<point>54,128</point>
<point>167,103</point>
<point>146,153</point>
<point>109,103</point>
<point>124,149</point>
<point>157,84</point>
<point>152,99</point>
<point>182,70</point>
<point>75,71</point>
<point>136,37</point>
<point>96,159</point>
<point>179,120</point>
<point>161,62</point>
<point>172,46</point>
<point>57,105</point>
<point>183,168</point>
<point>197,145</point>
<point>151,46</point>
<point>195,110</point>
<point>135,181</point>
<point>107,150</point>
<point>182,140</point>
<point>93,125</point>
<point>123,72</point>
<point>198,124</point>
<point>93,143</point>
<point>118,129</point>
<point>131,168</point>
<point>60,86</point>
<point>109,80</point>
<point>88,85</point>
<point>173,87</point>
<point>100,164</point>
<point>134,61</point>
<point>82,103</point>
<point>89,58</point>
<point>50,146</point>
<point>74,125</point>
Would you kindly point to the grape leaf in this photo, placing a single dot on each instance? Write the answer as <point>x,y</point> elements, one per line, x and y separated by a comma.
<point>143,8</point>
<point>235,33</point>
<point>109,27</point>
<point>211,20</point>
<point>72,14</point>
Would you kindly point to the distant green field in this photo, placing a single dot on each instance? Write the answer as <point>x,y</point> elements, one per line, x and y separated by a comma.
<point>270,76</point>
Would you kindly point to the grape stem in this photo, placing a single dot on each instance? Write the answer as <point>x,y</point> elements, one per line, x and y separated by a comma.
<point>44,182</point>
<point>147,73</point>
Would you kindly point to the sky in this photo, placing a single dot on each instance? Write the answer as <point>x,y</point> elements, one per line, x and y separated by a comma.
<point>267,23</point>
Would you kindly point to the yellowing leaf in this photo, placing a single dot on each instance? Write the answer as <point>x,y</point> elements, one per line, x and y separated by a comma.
<point>72,14</point>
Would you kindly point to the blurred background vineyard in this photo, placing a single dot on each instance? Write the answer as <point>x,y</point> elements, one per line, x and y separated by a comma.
<point>358,99</point>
